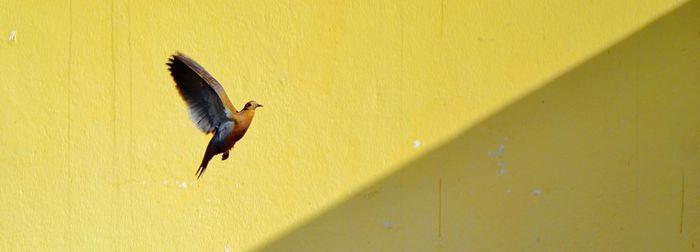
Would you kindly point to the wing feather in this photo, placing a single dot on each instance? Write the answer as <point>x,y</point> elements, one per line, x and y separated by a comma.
<point>213,83</point>
<point>207,101</point>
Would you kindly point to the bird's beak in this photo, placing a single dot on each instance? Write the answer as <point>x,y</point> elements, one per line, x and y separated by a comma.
<point>260,105</point>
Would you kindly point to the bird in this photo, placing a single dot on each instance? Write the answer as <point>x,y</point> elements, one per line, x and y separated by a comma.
<point>209,107</point>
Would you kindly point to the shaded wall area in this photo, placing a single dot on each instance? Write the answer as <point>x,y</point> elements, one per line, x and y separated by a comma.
<point>604,157</point>
<point>99,153</point>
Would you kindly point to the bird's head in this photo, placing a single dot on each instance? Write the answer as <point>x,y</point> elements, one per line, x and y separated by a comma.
<point>252,105</point>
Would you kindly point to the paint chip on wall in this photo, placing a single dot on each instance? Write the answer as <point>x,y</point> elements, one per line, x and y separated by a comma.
<point>537,191</point>
<point>13,36</point>
<point>499,153</point>
<point>501,167</point>
<point>388,224</point>
<point>417,143</point>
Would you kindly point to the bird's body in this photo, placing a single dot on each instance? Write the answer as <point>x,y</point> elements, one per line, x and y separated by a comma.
<point>210,108</point>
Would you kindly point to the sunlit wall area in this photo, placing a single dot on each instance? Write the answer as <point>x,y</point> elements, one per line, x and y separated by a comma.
<point>388,126</point>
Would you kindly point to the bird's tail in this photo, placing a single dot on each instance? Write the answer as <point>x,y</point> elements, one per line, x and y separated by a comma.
<point>205,161</point>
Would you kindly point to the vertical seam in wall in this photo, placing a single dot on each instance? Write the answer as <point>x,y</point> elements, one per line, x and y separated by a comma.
<point>289,43</point>
<point>402,64</point>
<point>69,199</point>
<point>70,73</point>
<point>635,156</point>
<point>439,210</point>
<point>129,150</point>
<point>131,96</point>
<point>114,99</point>
<point>115,149</point>
<point>682,198</point>
<point>114,84</point>
<point>443,4</point>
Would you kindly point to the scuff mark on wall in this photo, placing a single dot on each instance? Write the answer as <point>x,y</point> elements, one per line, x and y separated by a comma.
<point>439,209</point>
<point>682,199</point>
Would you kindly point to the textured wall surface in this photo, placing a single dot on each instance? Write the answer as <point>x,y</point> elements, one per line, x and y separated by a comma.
<point>388,126</point>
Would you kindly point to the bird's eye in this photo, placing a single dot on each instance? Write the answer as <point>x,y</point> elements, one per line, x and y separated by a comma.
<point>247,104</point>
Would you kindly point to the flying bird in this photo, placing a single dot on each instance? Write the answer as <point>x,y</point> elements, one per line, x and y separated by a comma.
<point>209,107</point>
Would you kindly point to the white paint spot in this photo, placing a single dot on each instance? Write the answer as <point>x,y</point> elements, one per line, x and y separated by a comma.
<point>13,36</point>
<point>537,191</point>
<point>227,248</point>
<point>501,164</point>
<point>388,224</point>
<point>501,149</point>
<point>165,182</point>
<point>501,167</point>
<point>417,143</point>
<point>183,185</point>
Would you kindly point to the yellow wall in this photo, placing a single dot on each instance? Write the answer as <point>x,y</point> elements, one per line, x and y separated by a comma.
<point>388,126</point>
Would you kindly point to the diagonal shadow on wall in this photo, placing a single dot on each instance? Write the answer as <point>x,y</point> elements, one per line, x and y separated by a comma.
<point>604,157</point>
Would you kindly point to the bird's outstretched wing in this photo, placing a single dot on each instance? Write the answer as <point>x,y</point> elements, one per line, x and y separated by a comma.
<point>207,101</point>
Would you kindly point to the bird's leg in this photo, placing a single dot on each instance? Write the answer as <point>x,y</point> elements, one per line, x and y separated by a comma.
<point>224,156</point>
